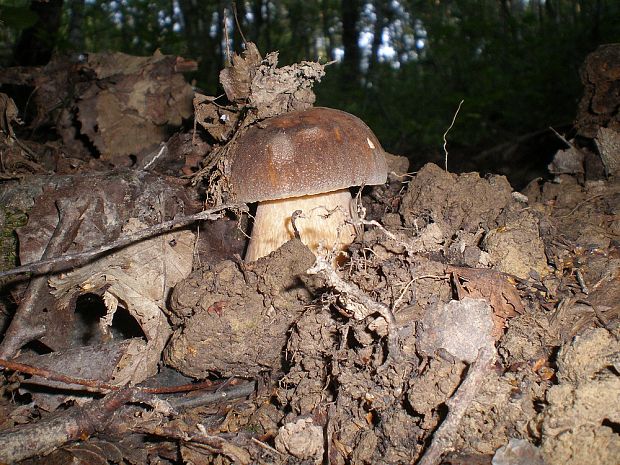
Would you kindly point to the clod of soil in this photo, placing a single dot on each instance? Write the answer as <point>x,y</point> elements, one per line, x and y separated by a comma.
<point>235,316</point>
<point>581,423</point>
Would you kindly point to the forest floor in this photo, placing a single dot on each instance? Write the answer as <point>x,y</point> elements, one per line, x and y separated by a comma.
<point>470,324</point>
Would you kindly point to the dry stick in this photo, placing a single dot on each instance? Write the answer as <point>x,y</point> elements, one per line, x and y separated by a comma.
<point>107,414</point>
<point>232,391</point>
<point>443,439</point>
<point>95,385</point>
<point>46,435</point>
<point>75,259</point>
<point>211,443</point>
<point>23,327</point>
<point>324,268</point>
<point>563,139</point>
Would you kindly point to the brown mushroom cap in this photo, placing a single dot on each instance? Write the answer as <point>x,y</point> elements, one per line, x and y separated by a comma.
<point>305,152</point>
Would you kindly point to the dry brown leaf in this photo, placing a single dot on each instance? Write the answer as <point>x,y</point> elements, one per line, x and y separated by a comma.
<point>8,114</point>
<point>139,278</point>
<point>218,120</point>
<point>496,288</point>
<point>129,107</point>
<point>237,78</point>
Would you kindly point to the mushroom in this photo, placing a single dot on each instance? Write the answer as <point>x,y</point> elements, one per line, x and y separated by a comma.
<point>304,160</point>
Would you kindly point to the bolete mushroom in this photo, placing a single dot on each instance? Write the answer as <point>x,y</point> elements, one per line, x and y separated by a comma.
<point>304,160</point>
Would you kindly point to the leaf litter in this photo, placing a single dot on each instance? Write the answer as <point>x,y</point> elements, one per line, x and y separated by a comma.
<point>471,323</point>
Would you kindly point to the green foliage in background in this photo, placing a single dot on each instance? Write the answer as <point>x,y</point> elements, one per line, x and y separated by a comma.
<point>401,65</point>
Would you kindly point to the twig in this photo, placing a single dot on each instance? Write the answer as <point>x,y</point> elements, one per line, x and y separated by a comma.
<point>234,8</point>
<point>408,285</point>
<point>107,414</point>
<point>75,259</point>
<point>562,138</point>
<point>46,435</point>
<point>443,439</point>
<point>580,204</point>
<point>267,447</point>
<point>153,157</point>
<point>445,134</point>
<point>581,281</point>
<point>25,327</point>
<point>95,385</point>
<point>356,298</point>
<point>233,391</point>
<point>214,444</point>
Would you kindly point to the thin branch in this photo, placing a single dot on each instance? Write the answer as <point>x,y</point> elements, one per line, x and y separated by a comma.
<point>72,260</point>
<point>110,414</point>
<point>232,391</point>
<point>579,205</point>
<point>563,139</point>
<point>95,385</point>
<point>25,326</point>
<point>46,435</point>
<point>211,443</point>
<point>443,439</point>
<point>234,8</point>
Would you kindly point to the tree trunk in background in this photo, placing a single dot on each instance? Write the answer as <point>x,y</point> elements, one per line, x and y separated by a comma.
<point>595,30</point>
<point>507,19</point>
<point>377,37</point>
<point>268,38</point>
<point>76,21</point>
<point>36,43</point>
<point>300,38</point>
<point>197,19</point>
<point>257,22</point>
<point>125,30</point>
<point>239,26</point>
<point>327,34</point>
<point>350,14</point>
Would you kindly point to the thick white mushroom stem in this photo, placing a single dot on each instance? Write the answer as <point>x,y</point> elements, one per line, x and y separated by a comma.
<point>323,221</point>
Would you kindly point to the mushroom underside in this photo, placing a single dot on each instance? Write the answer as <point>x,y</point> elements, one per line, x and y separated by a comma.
<point>321,224</point>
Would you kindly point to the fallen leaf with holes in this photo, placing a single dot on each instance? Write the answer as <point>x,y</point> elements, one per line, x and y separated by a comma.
<point>138,278</point>
<point>113,199</point>
<point>496,288</point>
